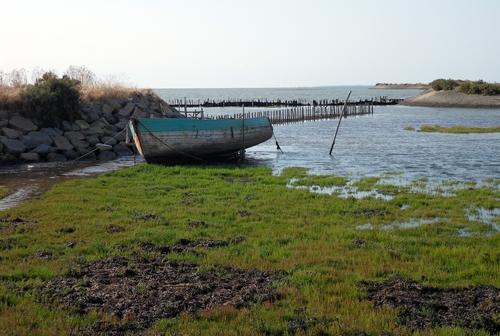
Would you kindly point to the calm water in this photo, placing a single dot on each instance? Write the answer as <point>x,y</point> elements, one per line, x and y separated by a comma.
<point>308,93</point>
<point>376,144</point>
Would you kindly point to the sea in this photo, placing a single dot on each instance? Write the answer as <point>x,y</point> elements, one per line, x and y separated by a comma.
<point>371,145</point>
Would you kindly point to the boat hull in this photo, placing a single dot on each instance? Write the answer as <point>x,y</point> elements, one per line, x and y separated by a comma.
<point>172,139</point>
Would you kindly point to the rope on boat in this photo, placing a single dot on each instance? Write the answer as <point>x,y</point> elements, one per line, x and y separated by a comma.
<point>277,144</point>
<point>96,148</point>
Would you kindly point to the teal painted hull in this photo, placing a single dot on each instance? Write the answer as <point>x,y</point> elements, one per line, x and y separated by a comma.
<point>170,139</point>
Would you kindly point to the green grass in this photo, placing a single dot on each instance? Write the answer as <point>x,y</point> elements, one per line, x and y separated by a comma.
<point>308,235</point>
<point>457,129</point>
<point>3,191</point>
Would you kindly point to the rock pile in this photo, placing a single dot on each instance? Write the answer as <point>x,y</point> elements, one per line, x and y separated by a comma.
<point>101,127</point>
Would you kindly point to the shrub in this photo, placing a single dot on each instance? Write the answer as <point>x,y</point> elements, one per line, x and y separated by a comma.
<point>444,84</point>
<point>52,99</point>
<point>480,87</point>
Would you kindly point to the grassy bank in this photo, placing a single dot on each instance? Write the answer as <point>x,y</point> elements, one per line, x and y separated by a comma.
<point>454,129</point>
<point>312,237</point>
<point>3,191</point>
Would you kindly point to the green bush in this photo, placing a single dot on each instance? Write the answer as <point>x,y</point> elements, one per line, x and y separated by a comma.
<point>444,84</point>
<point>480,87</point>
<point>52,99</point>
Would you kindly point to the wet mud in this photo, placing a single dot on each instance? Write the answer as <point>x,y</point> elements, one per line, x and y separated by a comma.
<point>135,292</point>
<point>190,246</point>
<point>421,307</point>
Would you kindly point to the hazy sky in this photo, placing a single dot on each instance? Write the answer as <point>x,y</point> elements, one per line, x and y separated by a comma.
<point>255,43</point>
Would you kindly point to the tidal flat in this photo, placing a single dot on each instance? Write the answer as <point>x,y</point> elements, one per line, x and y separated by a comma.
<point>250,255</point>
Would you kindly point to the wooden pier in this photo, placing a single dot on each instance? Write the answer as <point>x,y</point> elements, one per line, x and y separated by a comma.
<point>303,113</point>
<point>196,103</point>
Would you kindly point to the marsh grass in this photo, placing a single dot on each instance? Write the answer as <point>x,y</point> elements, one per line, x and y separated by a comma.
<point>3,191</point>
<point>457,129</point>
<point>310,236</point>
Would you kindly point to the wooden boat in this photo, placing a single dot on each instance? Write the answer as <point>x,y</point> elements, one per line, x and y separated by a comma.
<point>172,139</point>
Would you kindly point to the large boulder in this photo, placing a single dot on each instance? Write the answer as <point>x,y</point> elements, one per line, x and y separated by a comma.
<point>70,154</point>
<point>110,118</point>
<point>22,124</point>
<point>109,140</point>
<point>36,138</point>
<point>62,143</point>
<point>11,133</point>
<point>107,109</point>
<point>79,143</point>
<point>81,124</point>
<point>67,126</point>
<point>50,131</point>
<point>121,149</point>
<point>13,146</point>
<point>106,156</point>
<point>91,113</point>
<point>43,149</point>
<point>93,140</point>
<point>29,157</point>
<point>127,110</point>
<point>74,136</point>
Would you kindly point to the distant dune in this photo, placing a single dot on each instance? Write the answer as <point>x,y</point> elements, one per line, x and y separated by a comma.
<point>400,86</point>
<point>452,98</point>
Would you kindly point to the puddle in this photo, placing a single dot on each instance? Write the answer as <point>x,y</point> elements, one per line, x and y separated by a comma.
<point>347,191</point>
<point>105,167</point>
<point>367,226</point>
<point>29,180</point>
<point>18,196</point>
<point>409,224</point>
<point>490,217</point>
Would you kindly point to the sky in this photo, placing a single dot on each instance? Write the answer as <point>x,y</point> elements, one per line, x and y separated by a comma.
<point>255,43</point>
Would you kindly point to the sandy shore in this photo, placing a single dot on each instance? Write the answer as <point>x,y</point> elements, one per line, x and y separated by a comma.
<point>433,98</point>
<point>402,86</point>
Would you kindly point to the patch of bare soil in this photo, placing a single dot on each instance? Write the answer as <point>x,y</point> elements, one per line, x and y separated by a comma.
<point>187,245</point>
<point>136,292</point>
<point>420,307</point>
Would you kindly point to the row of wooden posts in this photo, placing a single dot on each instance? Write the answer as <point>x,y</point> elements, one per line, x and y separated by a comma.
<point>302,113</point>
<point>196,103</point>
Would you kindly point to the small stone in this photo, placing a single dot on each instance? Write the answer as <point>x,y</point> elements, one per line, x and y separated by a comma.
<point>22,124</point>
<point>30,157</point>
<point>11,133</point>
